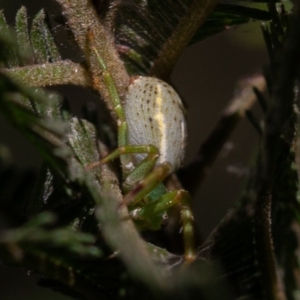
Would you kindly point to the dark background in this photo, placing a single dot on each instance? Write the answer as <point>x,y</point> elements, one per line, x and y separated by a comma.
<point>204,76</point>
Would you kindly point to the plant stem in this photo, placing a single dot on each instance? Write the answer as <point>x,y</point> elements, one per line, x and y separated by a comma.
<point>49,74</point>
<point>187,27</point>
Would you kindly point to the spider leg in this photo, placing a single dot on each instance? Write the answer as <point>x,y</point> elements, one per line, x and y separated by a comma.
<point>148,211</point>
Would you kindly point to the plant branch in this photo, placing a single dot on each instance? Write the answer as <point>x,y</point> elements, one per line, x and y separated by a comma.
<point>278,137</point>
<point>121,234</point>
<point>82,18</point>
<point>187,27</point>
<point>192,175</point>
<point>49,74</point>
<point>283,99</point>
<point>279,116</point>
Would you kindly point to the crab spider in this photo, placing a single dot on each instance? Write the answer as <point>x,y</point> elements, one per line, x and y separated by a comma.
<point>151,141</point>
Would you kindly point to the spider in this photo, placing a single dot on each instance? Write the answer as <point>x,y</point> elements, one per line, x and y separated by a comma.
<point>151,141</point>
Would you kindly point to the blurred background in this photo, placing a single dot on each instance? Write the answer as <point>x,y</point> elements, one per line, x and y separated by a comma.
<point>204,76</point>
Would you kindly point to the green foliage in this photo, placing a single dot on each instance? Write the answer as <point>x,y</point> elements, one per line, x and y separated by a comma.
<point>142,35</point>
<point>77,232</point>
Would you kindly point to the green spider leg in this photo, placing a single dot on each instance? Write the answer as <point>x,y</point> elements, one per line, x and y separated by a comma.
<point>148,211</point>
<point>134,174</point>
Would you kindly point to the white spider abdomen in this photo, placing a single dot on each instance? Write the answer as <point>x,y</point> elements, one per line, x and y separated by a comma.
<point>155,116</point>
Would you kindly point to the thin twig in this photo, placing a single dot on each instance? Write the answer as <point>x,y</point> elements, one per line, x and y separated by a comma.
<point>181,37</point>
<point>49,74</point>
<point>192,175</point>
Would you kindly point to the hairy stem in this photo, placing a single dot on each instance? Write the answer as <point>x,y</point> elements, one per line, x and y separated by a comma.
<point>82,18</point>
<point>58,73</point>
<point>187,27</point>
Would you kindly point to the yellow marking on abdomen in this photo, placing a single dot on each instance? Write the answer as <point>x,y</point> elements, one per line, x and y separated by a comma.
<point>162,124</point>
